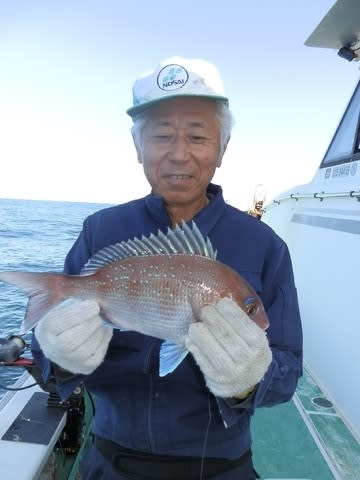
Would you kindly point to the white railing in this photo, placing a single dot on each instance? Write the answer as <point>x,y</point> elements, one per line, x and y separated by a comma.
<point>319,195</point>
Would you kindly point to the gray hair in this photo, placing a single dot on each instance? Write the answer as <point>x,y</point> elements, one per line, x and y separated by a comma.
<point>223,115</point>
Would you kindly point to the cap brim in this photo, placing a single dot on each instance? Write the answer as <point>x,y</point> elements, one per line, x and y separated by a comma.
<point>139,109</point>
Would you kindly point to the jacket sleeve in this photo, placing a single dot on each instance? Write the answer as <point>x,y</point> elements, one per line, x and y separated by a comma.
<point>285,331</point>
<point>65,381</point>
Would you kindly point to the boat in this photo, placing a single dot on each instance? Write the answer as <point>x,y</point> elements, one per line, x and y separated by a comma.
<point>320,222</point>
<point>315,436</point>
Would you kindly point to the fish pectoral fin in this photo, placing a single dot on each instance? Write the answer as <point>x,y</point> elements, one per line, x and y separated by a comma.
<point>171,355</point>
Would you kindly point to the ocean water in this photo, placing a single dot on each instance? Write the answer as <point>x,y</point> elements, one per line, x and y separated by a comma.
<point>34,236</point>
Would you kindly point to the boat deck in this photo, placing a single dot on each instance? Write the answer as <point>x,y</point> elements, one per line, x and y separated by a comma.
<point>304,439</point>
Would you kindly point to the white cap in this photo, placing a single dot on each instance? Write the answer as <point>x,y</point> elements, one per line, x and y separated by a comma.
<point>177,77</point>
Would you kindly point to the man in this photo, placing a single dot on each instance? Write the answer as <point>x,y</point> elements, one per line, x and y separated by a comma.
<point>193,423</point>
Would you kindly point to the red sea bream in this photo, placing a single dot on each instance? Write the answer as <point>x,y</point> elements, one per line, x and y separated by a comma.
<point>155,286</point>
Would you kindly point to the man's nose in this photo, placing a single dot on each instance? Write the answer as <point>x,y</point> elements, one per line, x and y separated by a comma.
<point>179,149</point>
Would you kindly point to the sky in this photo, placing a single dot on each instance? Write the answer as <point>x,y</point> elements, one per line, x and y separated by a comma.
<point>67,69</point>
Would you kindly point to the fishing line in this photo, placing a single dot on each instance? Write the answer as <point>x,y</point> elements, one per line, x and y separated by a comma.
<point>19,388</point>
<point>205,438</point>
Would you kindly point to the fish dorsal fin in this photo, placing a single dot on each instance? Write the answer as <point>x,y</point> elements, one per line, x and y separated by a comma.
<point>180,240</point>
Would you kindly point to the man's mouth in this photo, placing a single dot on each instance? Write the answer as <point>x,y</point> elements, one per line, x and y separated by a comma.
<point>177,176</point>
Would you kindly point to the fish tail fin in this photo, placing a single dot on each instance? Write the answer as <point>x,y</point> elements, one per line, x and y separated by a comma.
<point>41,288</point>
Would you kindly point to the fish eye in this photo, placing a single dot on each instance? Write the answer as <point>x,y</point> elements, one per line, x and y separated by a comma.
<point>251,309</point>
<point>250,306</point>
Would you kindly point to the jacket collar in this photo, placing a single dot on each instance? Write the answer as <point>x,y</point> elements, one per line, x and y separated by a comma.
<point>206,219</point>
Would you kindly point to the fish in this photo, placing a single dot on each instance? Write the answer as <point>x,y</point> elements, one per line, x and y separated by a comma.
<point>156,285</point>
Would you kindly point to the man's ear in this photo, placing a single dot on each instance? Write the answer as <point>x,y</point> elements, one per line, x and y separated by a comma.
<point>138,151</point>
<point>139,155</point>
<point>224,147</point>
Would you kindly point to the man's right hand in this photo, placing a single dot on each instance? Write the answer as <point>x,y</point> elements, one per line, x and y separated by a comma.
<point>73,335</point>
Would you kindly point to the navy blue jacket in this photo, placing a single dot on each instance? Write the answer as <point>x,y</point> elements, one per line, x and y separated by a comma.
<point>170,415</point>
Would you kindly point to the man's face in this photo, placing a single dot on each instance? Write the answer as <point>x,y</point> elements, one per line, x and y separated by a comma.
<point>181,149</point>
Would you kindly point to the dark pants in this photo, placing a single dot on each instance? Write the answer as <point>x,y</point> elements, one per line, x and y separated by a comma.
<point>107,465</point>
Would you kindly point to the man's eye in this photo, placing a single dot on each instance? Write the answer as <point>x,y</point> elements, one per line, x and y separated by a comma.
<point>162,138</point>
<point>197,139</point>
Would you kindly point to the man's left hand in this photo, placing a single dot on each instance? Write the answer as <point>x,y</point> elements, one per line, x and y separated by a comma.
<point>231,350</point>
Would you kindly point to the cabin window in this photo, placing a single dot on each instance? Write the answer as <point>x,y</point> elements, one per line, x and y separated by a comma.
<point>345,144</point>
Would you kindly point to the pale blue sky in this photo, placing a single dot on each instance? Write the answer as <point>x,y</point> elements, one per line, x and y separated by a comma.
<point>66,73</point>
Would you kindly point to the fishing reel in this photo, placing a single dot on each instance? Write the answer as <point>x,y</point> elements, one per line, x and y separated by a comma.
<point>11,349</point>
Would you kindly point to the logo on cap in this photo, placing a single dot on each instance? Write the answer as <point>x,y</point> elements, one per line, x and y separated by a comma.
<point>172,77</point>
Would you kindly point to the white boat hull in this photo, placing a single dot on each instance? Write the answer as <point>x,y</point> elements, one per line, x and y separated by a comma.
<point>323,236</point>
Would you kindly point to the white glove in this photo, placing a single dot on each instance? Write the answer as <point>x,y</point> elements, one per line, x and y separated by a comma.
<point>74,336</point>
<point>231,350</point>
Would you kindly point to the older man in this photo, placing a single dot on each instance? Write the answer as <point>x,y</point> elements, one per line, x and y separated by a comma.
<point>193,423</point>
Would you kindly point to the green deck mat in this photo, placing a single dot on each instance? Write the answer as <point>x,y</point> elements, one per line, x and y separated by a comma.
<point>303,440</point>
